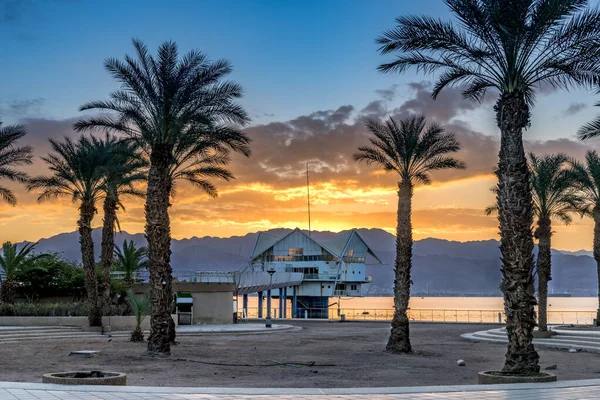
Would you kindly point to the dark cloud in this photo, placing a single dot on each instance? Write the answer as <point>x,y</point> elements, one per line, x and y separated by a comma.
<point>388,94</point>
<point>22,108</point>
<point>574,108</point>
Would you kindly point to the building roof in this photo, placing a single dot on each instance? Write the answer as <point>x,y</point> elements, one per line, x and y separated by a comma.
<point>335,246</point>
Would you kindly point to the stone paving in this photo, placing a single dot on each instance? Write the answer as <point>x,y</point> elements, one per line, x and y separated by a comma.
<point>567,390</point>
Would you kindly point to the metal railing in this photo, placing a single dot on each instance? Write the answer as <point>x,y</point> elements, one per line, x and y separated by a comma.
<point>425,315</point>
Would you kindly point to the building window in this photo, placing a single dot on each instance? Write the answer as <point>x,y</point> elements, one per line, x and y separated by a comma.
<point>295,251</point>
<point>354,287</point>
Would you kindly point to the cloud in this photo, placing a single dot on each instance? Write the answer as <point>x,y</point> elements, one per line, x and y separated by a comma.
<point>574,108</point>
<point>22,108</point>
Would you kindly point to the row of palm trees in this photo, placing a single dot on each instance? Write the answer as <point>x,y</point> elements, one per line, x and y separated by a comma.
<point>174,118</point>
<point>509,48</point>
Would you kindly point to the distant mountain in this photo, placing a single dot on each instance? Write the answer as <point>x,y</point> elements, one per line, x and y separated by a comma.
<point>439,266</point>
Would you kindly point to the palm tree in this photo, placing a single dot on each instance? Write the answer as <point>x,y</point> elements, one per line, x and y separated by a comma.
<point>412,151</point>
<point>591,129</point>
<point>513,47</point>
<point>178,111</point>
<point>12,262</point>
<point>554,197</point>
<point>140,308</point>
<point>587,178</point>
<point>11,156</point>
<point>130,259</point>
<point>78,172</point>
<point>122,172</point>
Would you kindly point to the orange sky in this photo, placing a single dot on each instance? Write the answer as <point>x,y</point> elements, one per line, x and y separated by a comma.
<point>270,189</point>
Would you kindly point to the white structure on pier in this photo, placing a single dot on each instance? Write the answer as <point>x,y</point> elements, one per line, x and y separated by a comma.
<point>330,269</point>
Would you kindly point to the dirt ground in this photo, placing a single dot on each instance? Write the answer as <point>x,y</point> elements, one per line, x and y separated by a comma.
<point>345,355</point>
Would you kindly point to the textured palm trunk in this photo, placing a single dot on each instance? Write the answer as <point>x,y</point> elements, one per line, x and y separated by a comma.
<point>597,258</point>
<point>108,247</point>
<point>515,216</point>
<point>544,266</point>
<point>399,340</point>
<point>7,291</point>
<point>158,234</point>
<point>86,214</point>
<point>129,281</point>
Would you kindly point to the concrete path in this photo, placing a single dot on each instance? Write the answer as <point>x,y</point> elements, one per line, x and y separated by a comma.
<point>567,390</point>
<point>565,338</point>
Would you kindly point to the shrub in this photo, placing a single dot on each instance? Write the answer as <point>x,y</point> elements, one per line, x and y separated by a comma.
<point>74,309</point>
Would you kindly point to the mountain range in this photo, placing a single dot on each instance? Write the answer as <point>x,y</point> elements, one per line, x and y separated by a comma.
<point>440,267</point>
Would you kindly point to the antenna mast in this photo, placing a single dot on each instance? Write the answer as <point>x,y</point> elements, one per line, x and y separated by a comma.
<point>308,197</point>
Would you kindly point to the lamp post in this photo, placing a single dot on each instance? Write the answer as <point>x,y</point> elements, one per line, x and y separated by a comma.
<point>271,271</point>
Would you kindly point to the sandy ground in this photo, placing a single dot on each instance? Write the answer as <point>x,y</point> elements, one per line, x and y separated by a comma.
<point>345,355</point>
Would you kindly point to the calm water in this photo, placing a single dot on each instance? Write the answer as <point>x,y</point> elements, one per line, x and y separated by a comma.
<point>567,310</point>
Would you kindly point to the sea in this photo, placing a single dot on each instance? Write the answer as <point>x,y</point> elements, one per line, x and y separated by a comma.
<point>561,310</point>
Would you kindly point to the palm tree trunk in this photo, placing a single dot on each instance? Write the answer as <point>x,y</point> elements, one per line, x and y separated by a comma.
<point>544,266</point>
<point>597,258</point>
<point>7,291</point>
<point>515,209</point>
<point>399,340</point>
<point>86,214</point>
<point>158,233</point>
<point>108,247</point>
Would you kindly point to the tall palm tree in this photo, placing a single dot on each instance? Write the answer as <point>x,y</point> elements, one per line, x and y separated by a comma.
<point>78,172</point>
<point>179,111</point>
<point>512,47</point>
<point>11,156</point>
<point>130,259</point>
<point>12,262</point>
<point>122,172</point>
<point>413,151</point>
<point>555,196</point>
<point>587,178</point>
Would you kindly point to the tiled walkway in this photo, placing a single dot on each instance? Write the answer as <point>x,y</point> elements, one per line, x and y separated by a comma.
<point>567,390</point>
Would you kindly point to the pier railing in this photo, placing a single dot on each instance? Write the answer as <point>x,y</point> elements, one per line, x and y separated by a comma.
<point>421,315</point>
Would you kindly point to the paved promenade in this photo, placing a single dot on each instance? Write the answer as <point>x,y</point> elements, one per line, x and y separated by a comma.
<point>566,390</point>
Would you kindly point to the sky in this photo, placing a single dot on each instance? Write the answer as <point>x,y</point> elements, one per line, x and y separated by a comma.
<point>308,69</point>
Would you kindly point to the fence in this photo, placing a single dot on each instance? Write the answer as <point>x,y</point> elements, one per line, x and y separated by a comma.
<point>424,315</point>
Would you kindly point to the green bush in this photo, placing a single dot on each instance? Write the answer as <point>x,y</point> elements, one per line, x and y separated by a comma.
<point>54,310</point>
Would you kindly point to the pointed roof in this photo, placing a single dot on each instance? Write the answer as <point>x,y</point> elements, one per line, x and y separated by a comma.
<point>336,246</point>
<point>339,242</point>
<point>264,241</point>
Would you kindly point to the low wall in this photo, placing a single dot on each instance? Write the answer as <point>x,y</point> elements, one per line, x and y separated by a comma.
<point>213,308</point>
<point>116,323</point>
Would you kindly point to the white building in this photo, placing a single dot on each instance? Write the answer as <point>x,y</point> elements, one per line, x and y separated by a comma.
<point>330,269</point>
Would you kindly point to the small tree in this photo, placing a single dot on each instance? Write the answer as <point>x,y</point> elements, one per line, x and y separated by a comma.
<point>12,262</point>
<point>140,308</point>
<point>130,259</point>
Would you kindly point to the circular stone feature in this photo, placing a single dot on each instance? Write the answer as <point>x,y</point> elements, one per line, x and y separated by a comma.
<point>498,377</point>
<point>86,378</point>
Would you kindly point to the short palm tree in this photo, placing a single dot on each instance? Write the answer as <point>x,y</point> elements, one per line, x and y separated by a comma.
<point>587,178</point>
<point>140,308</point>
<point>12,262</point>
<point>413,151</point>
<point>512,47</point>
<point>78,173</point>
<point>179,111</point>
<point>11,156</point>
<point>122,173</point>
<point>130,259</point>
<point>555,196</point>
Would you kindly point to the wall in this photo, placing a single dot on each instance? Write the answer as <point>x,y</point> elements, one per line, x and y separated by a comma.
<point>213,307</point>
<point>115,323</point>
